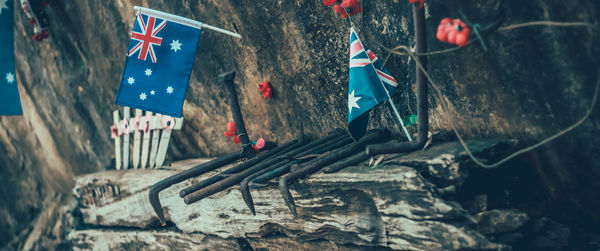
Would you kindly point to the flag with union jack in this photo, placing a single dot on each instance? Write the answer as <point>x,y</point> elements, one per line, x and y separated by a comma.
<point>369,85</point>
<point>159,61</point>
<point>9,92</point>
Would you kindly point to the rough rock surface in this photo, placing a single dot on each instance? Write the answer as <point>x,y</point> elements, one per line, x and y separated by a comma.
<point>391,206</point>
<point>531,83</point>
<point>500,220</point>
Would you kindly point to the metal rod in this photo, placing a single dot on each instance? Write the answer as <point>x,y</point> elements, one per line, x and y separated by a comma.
<point>238,177</point>
<point>183,20</point>
<point>286,168</point>
<point>240,127</point>
<point>187,174</point>
<point>278,170</point>
<point>372,136</point>
<point>359,157</point>
<point>241,167</point>
<point>422,105</point>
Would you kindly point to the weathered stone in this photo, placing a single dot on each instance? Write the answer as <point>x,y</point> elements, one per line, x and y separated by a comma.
<point>550,235</point>
<point>500,220</point>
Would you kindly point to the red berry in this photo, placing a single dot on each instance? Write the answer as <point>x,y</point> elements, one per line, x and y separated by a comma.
<point>329,2</point>
<point>231,127</point>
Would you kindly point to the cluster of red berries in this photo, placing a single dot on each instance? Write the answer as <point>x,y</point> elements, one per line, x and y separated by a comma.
<point>265,89</point>
<point>231,132</point>
<point>259,144</point>
<point>345,8</point>
<point>453,31</point>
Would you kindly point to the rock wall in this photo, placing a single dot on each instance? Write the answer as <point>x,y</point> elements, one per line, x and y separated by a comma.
<point>531,83</point>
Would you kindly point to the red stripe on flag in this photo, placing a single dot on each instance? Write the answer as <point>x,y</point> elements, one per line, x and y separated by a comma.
<point>383,74</point>
<point>372,55</point>
<point>356,47</point>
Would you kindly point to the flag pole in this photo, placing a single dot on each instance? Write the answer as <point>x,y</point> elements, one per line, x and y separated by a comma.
<point>386,92</point>
<point>183,20</point>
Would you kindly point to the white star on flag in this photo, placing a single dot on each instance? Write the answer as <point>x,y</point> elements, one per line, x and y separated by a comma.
<point>175,45</point>
<point>143,96</point>
<point>3,5</point>
<point>352,101</point>
<point>152,92</point>
<point>10,78</point>
<point>148,72</point>
<point>169,89</point>
<point>130,80</point>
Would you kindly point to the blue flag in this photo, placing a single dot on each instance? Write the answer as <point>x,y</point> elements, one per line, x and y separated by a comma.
<point>367,87</point>
<point>159,61</point>
<point>9,93</point>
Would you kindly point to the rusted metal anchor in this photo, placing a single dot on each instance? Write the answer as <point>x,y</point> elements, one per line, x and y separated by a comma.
<point>396,146</point>
<point>238,177</point>
<point>284,167</point>
<point>316,164</point>
<point>241,167</point>
<point>246,152</point>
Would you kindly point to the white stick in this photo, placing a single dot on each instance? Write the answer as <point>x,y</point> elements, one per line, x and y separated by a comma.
<point>155,139</point>
<point>126,113</point>
<point>183,20</point>
<point>164,145</point>
<point>117,140</point>
<point>137,136</point>
<point>146,139</point>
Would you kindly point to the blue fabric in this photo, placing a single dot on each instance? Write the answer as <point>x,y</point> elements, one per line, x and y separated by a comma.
<point>156,79</point>
<point>366,86</point>
<point>9,92</point>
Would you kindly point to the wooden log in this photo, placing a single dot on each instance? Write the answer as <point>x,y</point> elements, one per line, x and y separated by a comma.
<point>391,206</point>
<point>146,240</point>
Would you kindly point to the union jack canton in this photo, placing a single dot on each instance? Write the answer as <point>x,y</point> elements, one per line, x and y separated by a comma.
<point>157,68</point>
<point>366,86</point>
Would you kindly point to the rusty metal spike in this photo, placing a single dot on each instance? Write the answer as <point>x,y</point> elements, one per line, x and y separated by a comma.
<point>241,167</point>
<point>182,176</point>
<point>315,166</point>
<point>284,167</point>
<point>227,80</point>
<point>359,157</point>
<point>278,171</point>
<point>236,178</point>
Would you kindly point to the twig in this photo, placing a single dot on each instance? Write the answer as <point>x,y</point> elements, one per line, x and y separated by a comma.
<point>517,153</point>
<point>505,28</point>
<point>545,23</point>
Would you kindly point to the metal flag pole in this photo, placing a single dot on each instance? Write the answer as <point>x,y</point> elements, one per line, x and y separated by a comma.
<point>391,102</point>
<point>183,20</point>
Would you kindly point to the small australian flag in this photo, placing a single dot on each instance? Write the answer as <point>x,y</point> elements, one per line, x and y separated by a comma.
<point>159,61</point>
<point>366,90</point>
<point>9,92</point>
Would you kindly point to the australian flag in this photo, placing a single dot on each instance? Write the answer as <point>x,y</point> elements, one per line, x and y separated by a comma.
<point>9,93</point>
<point>366,88</point>
<point>159,61</point>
